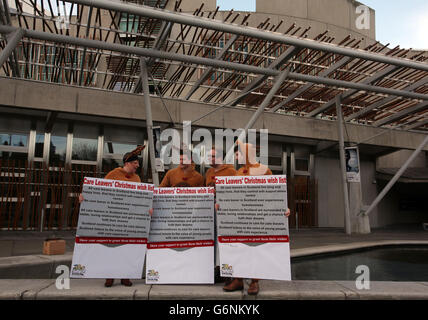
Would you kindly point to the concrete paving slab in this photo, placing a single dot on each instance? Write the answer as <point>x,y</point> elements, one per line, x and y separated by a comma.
<point>6,248</point>
<point>58,260</point>
<point>386,290</point>
<point>25,267</point>
<point>15,289</point>
<point>296,290</point>
<point>32,266</point>
<point>25,247</point>
<point>89,289</point>
<point>192,292</point>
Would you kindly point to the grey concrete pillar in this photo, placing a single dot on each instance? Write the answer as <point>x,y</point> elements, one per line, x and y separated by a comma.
<point>360,224</point>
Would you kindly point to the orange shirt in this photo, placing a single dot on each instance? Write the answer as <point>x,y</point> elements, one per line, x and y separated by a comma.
<point>177,176</point>
<point>223,171</point>
<point>121,174</point>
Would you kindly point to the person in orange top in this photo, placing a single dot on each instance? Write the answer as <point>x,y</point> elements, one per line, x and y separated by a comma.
<point>126,173</point>
<point>247,155</point>
<point>218,168</point>
<point>184,175</point>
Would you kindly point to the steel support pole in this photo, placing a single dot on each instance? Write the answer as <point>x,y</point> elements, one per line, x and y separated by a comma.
<point>11,45</point>
<point>210,62</point>
<point>207,72</point>
<point>307,86</point>
<point>343,164</point>
<point>385,101</point>
<point>278,83</point>
<point>396,176</point>
<point>281,60</point>
<point>149,120</point>
<point>227,104</point>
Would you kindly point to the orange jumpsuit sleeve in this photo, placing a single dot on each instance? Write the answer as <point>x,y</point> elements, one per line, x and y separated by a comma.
<point>165,181</point>
<point>113,175</point>
<point>231,172</point>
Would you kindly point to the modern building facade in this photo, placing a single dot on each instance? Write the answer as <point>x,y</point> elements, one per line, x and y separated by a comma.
<point>69,111</point>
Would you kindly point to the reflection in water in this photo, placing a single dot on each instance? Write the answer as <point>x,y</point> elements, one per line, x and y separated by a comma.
<point>385,264</point>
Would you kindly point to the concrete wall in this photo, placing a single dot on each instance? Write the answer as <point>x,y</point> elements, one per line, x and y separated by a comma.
<point>330,197</point>
<point>62,98</point>
<point>397,159</point>
<point>337,16</point>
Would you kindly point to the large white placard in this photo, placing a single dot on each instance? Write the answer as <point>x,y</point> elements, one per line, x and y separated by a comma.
<point>112,231</point>
<point>181,241</point>
<point>252,228</point>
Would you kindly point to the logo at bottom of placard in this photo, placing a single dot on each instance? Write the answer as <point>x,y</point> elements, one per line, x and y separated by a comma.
<point>152,275</point>
<point>78,270</point>
<point>226,270</point>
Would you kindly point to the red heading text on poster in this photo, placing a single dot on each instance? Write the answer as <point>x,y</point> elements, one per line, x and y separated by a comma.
<point>263,239</point>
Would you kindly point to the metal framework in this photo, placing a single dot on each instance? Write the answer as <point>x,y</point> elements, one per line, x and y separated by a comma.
<point>117,45</point>
<point>99,44</point>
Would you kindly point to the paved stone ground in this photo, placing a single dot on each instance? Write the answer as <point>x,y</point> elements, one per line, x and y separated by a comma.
<point>25,289</point>
<point>24,249</point>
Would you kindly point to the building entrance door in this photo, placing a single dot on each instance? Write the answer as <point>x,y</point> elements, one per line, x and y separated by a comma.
<point>302,192</point>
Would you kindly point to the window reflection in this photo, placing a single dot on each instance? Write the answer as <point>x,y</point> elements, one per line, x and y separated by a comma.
<point>40,142</point>
<point>85,149</point>
<point>6,155</point>
<point>118,148</point>
<point>57,150</point>
<point>13,139</point>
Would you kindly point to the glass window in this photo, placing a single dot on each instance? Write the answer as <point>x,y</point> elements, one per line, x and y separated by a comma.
<point>85,142</point>
<point>302,165</point>
<point>40,142</point>
<point>6,155</point>
<point>13,139</point>
<point>118,148</point>
<point>84,149</point>
<point>110,164</point>
<point>128,22</point>
<point>58,148</point>
<point>126,136</point>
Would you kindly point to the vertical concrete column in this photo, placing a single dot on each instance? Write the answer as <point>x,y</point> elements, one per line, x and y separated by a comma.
<point>343,164</point>
<point>360,224</point>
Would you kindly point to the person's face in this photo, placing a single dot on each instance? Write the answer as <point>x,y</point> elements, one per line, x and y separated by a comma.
<point>214,158</point>
<point>132,166</point>
<point>184,161</point>
<point>240,157</point>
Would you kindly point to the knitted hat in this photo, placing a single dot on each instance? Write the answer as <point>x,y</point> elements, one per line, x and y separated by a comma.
<point>133,155</point>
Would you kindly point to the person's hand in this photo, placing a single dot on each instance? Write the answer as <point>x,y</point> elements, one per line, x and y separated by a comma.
<point>217,207</point>
<point>287,213</point>
<point>81,199</point>
<point>151,212</point>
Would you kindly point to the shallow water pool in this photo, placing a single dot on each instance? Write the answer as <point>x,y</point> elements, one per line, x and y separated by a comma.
<point>385,264</point>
